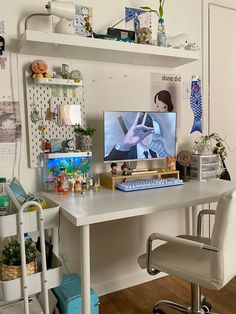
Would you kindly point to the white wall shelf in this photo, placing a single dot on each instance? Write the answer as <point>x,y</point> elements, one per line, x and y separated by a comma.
<point>56,81</point>
<point>75,47</point>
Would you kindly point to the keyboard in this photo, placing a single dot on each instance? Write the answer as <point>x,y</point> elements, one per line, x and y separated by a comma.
<point>142,184</point>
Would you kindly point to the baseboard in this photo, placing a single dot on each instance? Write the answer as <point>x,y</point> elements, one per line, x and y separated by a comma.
<point>124,282</point>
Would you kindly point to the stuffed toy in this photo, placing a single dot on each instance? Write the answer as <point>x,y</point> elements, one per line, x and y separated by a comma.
<point>39,69</point>
<point>171,163</point>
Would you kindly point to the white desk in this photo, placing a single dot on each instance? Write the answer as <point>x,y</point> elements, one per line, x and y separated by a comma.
<point>83,210</point>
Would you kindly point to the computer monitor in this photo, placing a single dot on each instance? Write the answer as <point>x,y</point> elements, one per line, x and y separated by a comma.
<point>132,135</point>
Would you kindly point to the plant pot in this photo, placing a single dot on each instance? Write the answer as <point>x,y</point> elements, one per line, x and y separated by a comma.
<point>14,272</point>
<point>86,143</point>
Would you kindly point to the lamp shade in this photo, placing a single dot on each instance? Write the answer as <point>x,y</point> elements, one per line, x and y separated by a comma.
<point>63,9</point>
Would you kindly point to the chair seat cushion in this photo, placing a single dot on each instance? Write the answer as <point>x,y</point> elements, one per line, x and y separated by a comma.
<point>190,263</point>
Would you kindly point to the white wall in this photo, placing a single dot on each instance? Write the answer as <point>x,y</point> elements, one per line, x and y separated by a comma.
<point>115,245</point>
<point>222,77</point>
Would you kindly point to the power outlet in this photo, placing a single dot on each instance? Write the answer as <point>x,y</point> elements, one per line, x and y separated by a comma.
<point>186,90</point>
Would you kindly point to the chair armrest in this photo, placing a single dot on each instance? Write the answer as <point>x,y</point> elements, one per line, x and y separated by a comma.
<point>199,218</point>
<point>174,240</point>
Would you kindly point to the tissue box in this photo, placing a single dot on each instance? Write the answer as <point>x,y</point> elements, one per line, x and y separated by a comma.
<point>69,296</point>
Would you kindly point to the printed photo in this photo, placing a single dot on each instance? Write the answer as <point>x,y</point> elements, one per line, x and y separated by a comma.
<point>83,21</point>
<point>166,94</point>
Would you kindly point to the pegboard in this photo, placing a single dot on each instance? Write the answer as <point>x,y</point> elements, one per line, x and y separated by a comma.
<point>39,96</point>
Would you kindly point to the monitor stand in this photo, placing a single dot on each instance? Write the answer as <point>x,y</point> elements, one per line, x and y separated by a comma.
<point>133,167</point>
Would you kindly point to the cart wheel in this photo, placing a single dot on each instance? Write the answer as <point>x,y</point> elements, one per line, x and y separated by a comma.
<point>206,307</point>
<point>157,311</point>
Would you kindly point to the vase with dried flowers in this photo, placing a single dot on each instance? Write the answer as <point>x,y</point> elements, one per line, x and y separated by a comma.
<point>161,31</point>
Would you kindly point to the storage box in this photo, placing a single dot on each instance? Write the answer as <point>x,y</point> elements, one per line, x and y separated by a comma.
<point>69,296</point>
<point>204,167</point>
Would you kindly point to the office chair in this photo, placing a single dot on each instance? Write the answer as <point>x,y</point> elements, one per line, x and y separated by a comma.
<point>203,262</point>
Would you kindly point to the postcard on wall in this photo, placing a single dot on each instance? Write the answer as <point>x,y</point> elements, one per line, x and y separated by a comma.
<point>10,124</point>
<point>137,18</point>
<point>83,21</point>
<point>166,94</point>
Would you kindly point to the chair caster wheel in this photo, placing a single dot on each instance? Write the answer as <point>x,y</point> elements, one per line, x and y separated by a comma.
<point>157,311</point>
<point>206,307</point>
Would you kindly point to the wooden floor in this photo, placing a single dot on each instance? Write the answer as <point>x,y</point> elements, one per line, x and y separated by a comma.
<point>140,299</point>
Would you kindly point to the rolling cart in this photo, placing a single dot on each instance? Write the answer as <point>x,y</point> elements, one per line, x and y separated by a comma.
<point>22,288</point>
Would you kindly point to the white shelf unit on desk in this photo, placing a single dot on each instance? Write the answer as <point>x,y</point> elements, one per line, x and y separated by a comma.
<point>12,290</point>
<point>75,47</point>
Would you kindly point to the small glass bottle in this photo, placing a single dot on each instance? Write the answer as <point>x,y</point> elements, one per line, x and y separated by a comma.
<point>62,182</point>
<point>4,198</point>
<point>161,33</point>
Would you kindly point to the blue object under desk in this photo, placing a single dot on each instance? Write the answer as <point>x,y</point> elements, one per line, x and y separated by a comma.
<point>69,295</point>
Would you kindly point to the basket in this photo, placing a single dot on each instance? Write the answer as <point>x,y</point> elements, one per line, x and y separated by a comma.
<point>14,272</point>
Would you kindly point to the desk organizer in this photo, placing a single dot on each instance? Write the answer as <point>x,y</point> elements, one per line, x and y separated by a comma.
<point>109,181</point>
<point>204,167</point>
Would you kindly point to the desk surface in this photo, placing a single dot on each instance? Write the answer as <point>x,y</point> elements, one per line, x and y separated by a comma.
<point>106,205</point>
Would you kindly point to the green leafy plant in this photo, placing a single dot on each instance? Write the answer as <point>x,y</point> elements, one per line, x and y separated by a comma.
<point>88,131</point>
<point>160,11</point>
<point>11,253</point>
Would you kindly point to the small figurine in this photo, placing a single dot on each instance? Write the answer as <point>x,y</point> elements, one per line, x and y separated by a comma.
<point>39,69</point>
<point>171,163</point>
<point>78,186</point>
<point>125,169</point>
<point>47,146</point>
<point>113,168</point>
<point>70,144</point>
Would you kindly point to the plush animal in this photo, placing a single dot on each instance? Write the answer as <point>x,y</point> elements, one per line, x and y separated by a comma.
<point>39,69</point>
<point>171,163</point>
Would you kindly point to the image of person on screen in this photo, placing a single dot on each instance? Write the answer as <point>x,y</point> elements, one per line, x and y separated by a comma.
<point>163,101</point>
<point>137,142</point>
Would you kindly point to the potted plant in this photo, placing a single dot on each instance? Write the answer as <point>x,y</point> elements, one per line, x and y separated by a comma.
<point>203,146</point>
<point>85,137</point>
<point>11,259</point>
<point>161,33</point>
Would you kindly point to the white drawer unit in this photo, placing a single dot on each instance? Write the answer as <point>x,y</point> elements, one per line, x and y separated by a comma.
<point>204,167</point>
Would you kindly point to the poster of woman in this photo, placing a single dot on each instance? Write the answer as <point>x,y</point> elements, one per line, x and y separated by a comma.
<point>166,94</point>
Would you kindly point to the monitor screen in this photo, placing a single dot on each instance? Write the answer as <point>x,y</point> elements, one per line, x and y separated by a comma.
<point>132,135</point>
